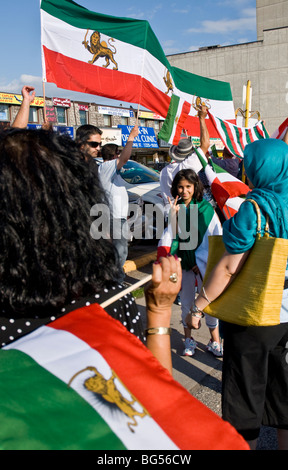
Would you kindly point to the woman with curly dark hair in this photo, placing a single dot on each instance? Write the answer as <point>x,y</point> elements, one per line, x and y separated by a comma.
<point>196,220</point>
<point>50,264</point>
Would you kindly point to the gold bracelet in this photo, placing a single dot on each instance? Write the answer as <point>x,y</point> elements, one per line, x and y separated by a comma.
<point>161,330</point>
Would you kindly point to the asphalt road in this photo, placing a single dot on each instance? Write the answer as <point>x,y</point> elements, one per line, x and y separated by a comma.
<point>200,374</point>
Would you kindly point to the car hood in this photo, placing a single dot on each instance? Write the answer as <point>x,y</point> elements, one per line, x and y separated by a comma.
<point>148,192</point>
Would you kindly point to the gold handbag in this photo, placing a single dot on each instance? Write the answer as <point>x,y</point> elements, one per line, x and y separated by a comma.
<point>255,295</point>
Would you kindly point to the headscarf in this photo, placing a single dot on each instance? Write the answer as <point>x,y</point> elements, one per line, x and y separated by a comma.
<point>266,166</point>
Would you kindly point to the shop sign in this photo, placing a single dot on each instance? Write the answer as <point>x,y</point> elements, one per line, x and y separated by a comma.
<point>113,111</point>
<point>149,115</point>
<point>11,98</point>
<point>145,139</point>
<point>51,114</point>
<point>60,129</point>
<point>83,107</point>
<point>64,102</point>
<point>111,136</point>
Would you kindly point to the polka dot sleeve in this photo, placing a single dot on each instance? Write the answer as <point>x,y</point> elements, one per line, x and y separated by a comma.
<point>124,310</point>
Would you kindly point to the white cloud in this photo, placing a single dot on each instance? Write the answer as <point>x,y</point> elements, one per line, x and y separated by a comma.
<point>225,26</point>
<point>140,15</point>
<point>52,91</point>
<point>16,85</point>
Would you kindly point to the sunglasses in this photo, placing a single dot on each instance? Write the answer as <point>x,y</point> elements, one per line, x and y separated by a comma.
<point>94,144</point>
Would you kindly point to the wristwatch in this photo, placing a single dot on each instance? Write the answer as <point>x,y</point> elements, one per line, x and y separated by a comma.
<point>196,312</point>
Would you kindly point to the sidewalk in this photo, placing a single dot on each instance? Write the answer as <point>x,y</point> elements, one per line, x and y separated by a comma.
<point>201,373</point>
<point>189,371</point>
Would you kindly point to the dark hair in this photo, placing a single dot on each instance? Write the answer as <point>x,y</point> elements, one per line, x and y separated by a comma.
<point>108,151</point>
<point>193,178</point>
<point>48,256</point>
<point>84,132</point>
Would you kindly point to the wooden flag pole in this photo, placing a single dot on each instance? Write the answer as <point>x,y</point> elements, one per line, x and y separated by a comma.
<point>44,99</point>
<point>137,116</point>
<point>247,113</point>
<point>126,291</point>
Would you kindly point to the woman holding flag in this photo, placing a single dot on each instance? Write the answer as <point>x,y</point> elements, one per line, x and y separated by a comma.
<point>193,217</point>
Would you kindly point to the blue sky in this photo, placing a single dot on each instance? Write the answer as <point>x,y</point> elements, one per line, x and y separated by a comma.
<point>179,26</point>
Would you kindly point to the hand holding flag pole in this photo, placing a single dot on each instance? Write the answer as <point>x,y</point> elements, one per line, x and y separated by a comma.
<point>126,291</point>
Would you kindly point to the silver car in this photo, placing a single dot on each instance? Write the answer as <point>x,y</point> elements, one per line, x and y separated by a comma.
<point>146,217</point>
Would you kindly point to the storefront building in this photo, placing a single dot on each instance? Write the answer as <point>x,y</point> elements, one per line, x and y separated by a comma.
<point>115,122</point>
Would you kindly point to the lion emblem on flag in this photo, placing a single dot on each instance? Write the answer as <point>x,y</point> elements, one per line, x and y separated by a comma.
<point>168,82</point>
<point>107,389</point>
<point>100,49</point>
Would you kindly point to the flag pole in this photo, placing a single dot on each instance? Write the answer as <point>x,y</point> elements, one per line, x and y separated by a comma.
<point>248,96</point>
<point>44,99</point>
<point>247,112</point>
<point>137,115</point>
<point>126,291</point>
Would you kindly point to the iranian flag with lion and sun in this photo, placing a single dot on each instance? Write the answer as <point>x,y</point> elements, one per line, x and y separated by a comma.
<point>121,59</point>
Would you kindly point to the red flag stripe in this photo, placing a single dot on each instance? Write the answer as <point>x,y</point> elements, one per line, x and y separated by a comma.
<point>164,398</point>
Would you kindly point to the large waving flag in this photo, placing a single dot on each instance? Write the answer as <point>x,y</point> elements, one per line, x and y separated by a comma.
<point>281,131</point>
<point>229,192</point>
<point>175,120</point>
<point>84,382</point>
<point>235,138</point>
<point>121,58</point>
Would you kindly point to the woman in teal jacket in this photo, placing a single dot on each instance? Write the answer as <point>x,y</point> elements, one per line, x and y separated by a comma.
<point>255,363</point>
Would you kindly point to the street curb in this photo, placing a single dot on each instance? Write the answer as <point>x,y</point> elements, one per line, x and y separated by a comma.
<point>133,265</point>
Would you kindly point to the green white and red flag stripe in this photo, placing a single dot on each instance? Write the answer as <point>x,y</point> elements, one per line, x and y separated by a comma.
<point>235,138</point>
<point>84,382</point>
<point>224,186</point>
<point>143,74</point>
<point>281,131</point>
<point>175,120</point>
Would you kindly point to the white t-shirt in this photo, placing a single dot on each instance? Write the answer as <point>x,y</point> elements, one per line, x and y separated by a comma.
<point>169,172</point>
<point>115,189</point>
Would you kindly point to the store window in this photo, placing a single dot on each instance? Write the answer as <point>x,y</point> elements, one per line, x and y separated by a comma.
<point>156,125</point>
<point>33,114</point>
<point>107,120</point>
<point>61,115</point>
<point>4,112</point>
<point>124,121</point>
<point>83,117</point>
<point>142,122</point>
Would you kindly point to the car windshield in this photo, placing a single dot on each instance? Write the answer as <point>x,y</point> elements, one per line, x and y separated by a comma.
<point>136,173</point>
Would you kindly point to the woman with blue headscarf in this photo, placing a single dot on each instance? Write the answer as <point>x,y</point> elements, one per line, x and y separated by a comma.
<point>255,362</point>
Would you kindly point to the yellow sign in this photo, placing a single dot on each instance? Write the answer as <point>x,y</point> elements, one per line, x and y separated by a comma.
<point>10,98</point>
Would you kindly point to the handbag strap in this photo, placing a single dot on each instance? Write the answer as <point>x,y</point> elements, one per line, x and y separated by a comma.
<point>266,230</point>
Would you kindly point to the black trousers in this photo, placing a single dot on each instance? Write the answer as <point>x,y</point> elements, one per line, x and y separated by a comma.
<point>255,378</point>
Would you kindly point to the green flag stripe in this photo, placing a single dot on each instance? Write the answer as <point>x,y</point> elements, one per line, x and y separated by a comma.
<point>201,86</point>
<point>39,412</point>
<point>227,139</point>
<point>238,136</point>
<point>248,139</point>
<point>168,124</point>
<point>137,33</point>
<point>202,160</point>
<point>257,133</point>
